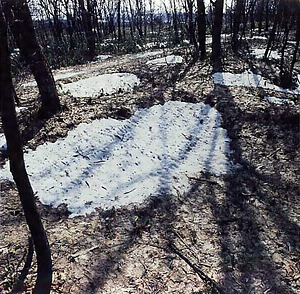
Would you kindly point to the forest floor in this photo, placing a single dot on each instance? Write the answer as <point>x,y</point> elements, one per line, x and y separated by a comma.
<point>236,233</point>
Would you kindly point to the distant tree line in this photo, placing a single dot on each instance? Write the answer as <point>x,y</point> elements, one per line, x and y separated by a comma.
<point>66,27</point>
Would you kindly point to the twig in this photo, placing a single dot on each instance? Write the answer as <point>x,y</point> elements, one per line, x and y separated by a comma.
<point>197,270</point>
<point>268,156</point>
<point>189,248</point>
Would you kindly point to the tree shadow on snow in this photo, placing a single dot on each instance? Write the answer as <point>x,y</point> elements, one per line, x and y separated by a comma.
<point>248,256</point>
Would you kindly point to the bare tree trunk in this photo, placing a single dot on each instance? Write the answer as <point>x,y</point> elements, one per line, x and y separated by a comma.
<point>119,20</point>
<point>261,15</point>
<point>296,50</point>
<point>267,16</point>
<point>18,170</point>
<point>23,31</point>
<point>236,24</point>
<point>175,24</point>
<point>201,28</point>
<point>88,28</point>
<point>217,28</point>
<point>191,27</point>
<point>274,28</point>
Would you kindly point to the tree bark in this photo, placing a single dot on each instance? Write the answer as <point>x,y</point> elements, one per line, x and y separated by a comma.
<point>274,28</point>
<point>22,28</point>
<point>18,170</point>
<point>119,20</point>
<point>88,28</point>
<point>201,28</point>
<point>296,50</point>
<point>191,27</point>
<point>217,28</point>
<point>236,24</point>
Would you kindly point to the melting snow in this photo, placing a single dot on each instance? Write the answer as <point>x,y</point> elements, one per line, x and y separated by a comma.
<point>171,59</point>
<point>103,57</point>
<point>261,38</point>
<point>279,101</point>
<point>147,54</point>
<point>102,84</point>
<point>260,53</point>
<point>248,79</point>
<point>64,74</point>
<point>3,145</point>
<point>110,163</point>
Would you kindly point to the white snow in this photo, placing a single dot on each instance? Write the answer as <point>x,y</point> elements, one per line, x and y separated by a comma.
<point>248,79</point>
<point>3,145</point>
<point>110,163</point>
<point>260,53</point>
<point>261,38</point>
<point>103,57</point>
<point>146,54</point>
<point>102,84</point>
<point>279,101</point>
<point>153,45</point>
<point>170,59</point>
<point>208,40</point>
<point>64,74</point>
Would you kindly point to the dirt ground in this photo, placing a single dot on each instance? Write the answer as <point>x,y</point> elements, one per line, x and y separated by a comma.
<point>237,233</point>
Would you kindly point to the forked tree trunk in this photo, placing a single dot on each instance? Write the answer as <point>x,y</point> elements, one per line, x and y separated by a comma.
<point>22,28</point>
<point>274,28</point>
<point>18,170</point>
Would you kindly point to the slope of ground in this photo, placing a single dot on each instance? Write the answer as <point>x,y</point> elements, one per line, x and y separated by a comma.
<point>235,233</point>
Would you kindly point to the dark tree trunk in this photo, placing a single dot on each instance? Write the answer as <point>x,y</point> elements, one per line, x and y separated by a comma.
<point>88,28</point>
<point>274,28</point>
<point>217,28</point>
<point>296,50</point>
<point>191,27</point>
<point>119,20</point>
<point>18,170</point>
<point>284,75</point>
<point>267,16</point>
<point>201,28</point>
<point>238,12</point>
<point>261,16</point>
<point>22,28</point>
<point>175,25</point>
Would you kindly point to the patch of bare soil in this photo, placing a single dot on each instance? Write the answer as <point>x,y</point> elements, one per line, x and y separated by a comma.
<point>233,234</point>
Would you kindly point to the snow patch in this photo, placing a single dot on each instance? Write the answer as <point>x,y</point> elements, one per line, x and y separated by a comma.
<point>103,57</point>
<point>260,53</point>
<point>64,74</point>
<point>3,145</point>
<point>102,84</point>
<point>260,38</point>
<point>170,59</point>
<point>146,54</point>
<point>110,163</point>
<point>279,101</point>
<point>248,79</point>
